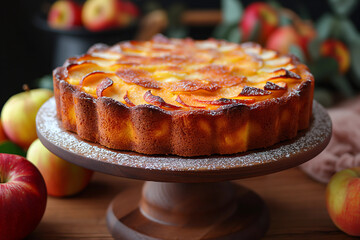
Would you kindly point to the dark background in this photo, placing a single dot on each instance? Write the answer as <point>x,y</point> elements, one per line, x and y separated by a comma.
<point>27,51</point>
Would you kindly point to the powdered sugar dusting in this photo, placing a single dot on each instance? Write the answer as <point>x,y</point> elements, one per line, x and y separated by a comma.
<point>303,148</point>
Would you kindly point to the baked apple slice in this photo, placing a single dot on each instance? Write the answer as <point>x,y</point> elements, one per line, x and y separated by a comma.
<point>228,101</point>
<point>138,77</point>
<point>253,91</point>
<point>274,87</point>
<point>179,100</point>
<point>284,73</point>
<point>127,100</point>
<point>158,101</point>
<point>100,89</point>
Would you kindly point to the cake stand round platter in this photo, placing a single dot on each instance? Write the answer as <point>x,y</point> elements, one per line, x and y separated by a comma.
<point>185,198</point>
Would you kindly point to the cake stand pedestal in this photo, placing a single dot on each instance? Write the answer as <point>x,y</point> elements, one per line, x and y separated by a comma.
<point>185,198</point>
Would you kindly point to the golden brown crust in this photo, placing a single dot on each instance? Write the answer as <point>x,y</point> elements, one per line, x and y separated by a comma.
<point>212,127</point>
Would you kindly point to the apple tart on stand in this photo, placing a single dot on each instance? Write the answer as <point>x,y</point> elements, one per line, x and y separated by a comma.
<point>183,97</point>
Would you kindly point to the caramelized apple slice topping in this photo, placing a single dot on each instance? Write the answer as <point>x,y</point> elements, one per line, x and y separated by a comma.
<point>273,87</point>
<point>193,85</point>
<point>158,101</point>
<point>253,91</point>
<point>227,101</point>
<point>127,100</point>
<point>93,78</point>
<point>284,73</point>
<point>138,77</point>
<point>179,100</point>
<point>106,83</point>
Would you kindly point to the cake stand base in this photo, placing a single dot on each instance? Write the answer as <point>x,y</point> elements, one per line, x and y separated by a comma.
<point>188,211</point>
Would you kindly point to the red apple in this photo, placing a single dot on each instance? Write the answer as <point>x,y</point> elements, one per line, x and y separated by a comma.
<point>131,8</point>
<point>22,197</point>
<point>98,15</point>
<point>282,38</point>
<point>18,115</point>
<point>343,200</point>
<point>3,136</point>
<point>336,49</point>
<point>64,14</point>
<point>62,178</point>
<point>259,17</point>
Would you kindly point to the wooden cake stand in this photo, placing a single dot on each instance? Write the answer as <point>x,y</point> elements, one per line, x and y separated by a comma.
<point>185,198</point>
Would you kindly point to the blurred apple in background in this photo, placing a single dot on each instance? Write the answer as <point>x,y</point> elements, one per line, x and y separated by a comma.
<point>343,200</point>
<point>98,15</point>
<point>62,178</point>
<point>18,115</point>
<point>64,14</point>
<point>336,49</point>
<point>283,38</point>
<point>129,12</point>
<point>22,197</point>
<point>259,20</point>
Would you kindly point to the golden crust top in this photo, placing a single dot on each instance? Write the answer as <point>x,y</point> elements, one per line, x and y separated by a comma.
<point>184,74</point>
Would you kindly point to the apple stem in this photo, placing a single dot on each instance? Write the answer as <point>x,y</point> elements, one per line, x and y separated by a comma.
<point>1,179</point>
<point>25,87</point>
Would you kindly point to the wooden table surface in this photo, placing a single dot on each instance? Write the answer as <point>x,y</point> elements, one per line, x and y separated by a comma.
<point>296,204</point>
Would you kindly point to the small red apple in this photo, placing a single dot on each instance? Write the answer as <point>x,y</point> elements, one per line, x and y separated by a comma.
<point>22,197</point>
<point>343,200</point>
<point>336,49</point>
<point>99,15</point>
<point>282,38</point>
<point>62,178</point>
<point>260,17</point>
<point>64,14</point>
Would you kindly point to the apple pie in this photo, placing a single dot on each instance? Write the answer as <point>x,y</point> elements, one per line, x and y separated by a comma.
<point>184,97</point>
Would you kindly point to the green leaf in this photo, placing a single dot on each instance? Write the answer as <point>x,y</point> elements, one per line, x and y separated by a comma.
<point>44,82</point>
<point>343,7</point>
<point>323,68</point>
<point>298,52</point>
<point>231,11</point>
<point>177,32</point>
<point>255,32</point>
<point>223,29</point>
<point>234,35</point>
<point>349,31</point>
<point>342,84</point>
<point>324,26</point>
<point>11,148</point>
<point>354,48</point>
<point>314,48</point>
<point>285,20</point>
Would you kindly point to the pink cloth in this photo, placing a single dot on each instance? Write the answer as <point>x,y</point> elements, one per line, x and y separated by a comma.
<point>343,150</point>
